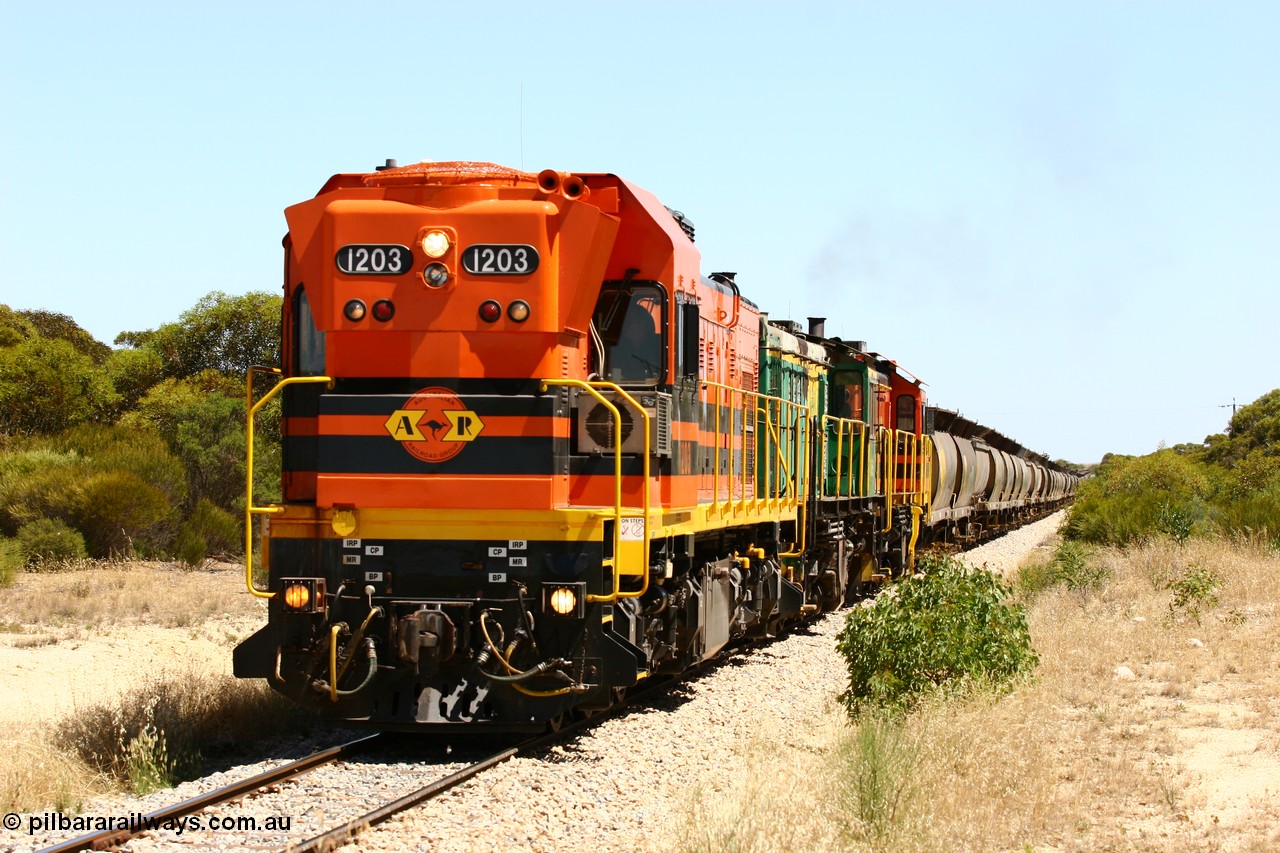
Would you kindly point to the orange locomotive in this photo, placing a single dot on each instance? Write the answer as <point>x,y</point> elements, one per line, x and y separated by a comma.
<point>532,455</point>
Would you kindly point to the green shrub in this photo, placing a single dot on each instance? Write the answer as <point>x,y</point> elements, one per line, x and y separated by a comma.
<point>209,530</point>
<point>35,483</point>
<point>1195,590</point>
<point>135,448</point>
<point>1255,515</point>
<point>1131,500</point>
<point>50,540</point>
<point>950,629</point>
<point>878,788</point>
<point>201,420</point>
<point>46,384</point>
<point>1070,566</point>
<point>120,515</point>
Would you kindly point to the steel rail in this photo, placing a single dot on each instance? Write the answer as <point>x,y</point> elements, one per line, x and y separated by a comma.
<point>337,837</point>
<point>112,838</point>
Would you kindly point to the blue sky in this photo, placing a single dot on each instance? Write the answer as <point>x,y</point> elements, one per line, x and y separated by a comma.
<point>1062,216</point>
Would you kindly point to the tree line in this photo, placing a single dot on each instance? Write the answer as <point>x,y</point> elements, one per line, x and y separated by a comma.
<point>135,450</point>
<point>1227,486</point>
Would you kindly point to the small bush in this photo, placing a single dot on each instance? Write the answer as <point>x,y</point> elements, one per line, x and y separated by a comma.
<point>49,540</point>
<point>1175,522</point>
<point>950,629</point>
<point>120,515</point>
<point>1252,516</point>
<point>147,763</point>
<point>209,530</point>
<point>1195,590</point>
<point>1070,566</point>
<point>878,786</point>
<point>37,483</point>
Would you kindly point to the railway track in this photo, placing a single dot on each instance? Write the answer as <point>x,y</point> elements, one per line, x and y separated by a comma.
<point>340,835</point>
<point>148,823</point>
<point>109,839</point>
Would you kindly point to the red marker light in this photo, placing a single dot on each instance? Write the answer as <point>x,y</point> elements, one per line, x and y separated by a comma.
<point>383,310</point>
<point>490,311</point>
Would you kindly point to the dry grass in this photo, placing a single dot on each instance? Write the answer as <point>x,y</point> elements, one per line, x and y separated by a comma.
<point>147,729</point>
<point>153,737</point>
<point>68,603</point>
<point>1181,755</point>
<point>158,733</point>
<point>35,775</point>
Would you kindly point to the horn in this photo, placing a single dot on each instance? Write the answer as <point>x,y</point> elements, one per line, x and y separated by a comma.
<point>548,180</point>
<point>573,187</point>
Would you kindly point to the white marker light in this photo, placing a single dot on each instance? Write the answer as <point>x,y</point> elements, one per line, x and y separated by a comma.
<point>435,244</point>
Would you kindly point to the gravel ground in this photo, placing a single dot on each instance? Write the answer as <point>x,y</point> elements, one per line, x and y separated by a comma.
<point>1003,555</point>
<point>626,784</point>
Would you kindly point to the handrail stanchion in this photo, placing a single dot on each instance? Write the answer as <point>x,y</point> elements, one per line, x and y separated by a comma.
<point>591,388</point>
<point>251,409</point>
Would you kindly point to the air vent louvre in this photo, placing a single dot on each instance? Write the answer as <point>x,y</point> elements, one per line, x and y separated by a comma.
<point>601,428</point>
<point>597,432</point>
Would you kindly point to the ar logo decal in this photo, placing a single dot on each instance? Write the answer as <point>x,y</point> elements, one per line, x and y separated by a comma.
<point>434,425</point>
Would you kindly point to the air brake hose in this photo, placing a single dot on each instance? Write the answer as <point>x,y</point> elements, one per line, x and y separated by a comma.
<point>355,641</point>
<point>546,667</point>
<point>371,655</point>
<point>516,675</point>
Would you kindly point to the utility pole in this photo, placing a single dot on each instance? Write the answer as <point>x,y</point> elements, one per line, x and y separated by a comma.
<point>1232,406</point>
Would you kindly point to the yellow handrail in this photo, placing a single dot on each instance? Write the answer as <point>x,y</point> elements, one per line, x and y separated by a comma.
<point>782,460</point>
<point>798,549</point>
<point>795,481</point>
<point>886,473</point>
<point>917,457</point>
<point>591,388</point>
<point>841,424</point>
<point>251,409</point>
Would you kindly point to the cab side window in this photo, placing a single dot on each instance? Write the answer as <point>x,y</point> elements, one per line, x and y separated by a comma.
<point>629,320</point>
<point>308,341</point>
<point>906,413</point>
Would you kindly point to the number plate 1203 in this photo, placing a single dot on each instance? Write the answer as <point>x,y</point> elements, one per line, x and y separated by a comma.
<point>500,259</point>
<point>374,259</point>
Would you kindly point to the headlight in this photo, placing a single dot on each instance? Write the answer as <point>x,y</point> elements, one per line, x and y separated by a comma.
<point>564,599</point>
<point>303,595</point>
<point>435,244</point>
